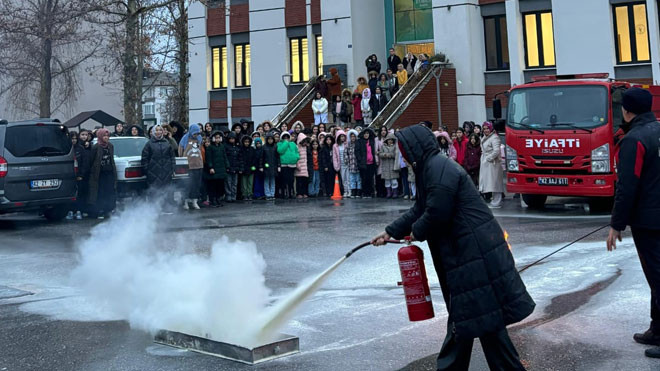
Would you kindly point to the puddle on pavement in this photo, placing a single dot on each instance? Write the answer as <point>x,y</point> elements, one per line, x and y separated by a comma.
<point>564,304</point>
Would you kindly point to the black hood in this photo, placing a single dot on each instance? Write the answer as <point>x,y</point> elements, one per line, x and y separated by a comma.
<point>418,144</point>
<point>371,133</point>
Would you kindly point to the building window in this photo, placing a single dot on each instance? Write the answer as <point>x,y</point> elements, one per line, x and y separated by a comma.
<point>497,47</point>
<point>319,55</point>
<point>631,33</point>
<point>219,68</point>
<point>148,109</point>
<point>299,59</point>
<point>413,20</point>
<point>242,60</point>
<point>539,40</point>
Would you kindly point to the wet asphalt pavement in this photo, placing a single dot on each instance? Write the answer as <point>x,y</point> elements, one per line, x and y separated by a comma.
<point>589,301</point>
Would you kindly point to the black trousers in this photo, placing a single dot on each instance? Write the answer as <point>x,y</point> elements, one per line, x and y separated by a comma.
<point>380,186</point>
<point>456,352</point>
<point>194,183</point>
<point>647,243</point>
<point>287,181</point>
<point>498,349</point>
<point>367,177</point>
<point>216,188</point>
<point>302,184</point>
<point>328,181</point>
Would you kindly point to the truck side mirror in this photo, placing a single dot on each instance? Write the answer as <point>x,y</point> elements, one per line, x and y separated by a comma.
<point>497,108</point>
<point>499,125</point>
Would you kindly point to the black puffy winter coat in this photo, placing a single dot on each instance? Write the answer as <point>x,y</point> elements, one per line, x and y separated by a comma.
<point>84,157</point>
<point>325,159</point>
<point>480,284</point>
<point>249,158</point>
<point>216,159</point>
<point>361,149</point>
<point>233,156</point>
<point>158,162</point>
<point>270,157</point>
<point>377,104</point>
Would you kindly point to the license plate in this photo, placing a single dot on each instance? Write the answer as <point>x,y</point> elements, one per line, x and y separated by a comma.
<point>553,181</point>
<point>45,184</point>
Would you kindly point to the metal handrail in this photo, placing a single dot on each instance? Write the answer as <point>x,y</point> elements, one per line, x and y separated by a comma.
<point>403,98</point>
<point>296,103</point>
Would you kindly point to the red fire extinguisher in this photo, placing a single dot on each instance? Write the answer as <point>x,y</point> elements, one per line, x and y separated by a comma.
<point>415,283</point>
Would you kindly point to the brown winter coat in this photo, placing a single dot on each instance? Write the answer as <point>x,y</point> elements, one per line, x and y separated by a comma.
<point>389,159</point>
<point>334,84</point>
<point>97,152</point>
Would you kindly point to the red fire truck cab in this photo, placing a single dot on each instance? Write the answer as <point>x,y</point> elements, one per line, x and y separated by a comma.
<point>560,136</point>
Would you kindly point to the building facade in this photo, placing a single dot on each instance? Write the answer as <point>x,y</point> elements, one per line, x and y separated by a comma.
<point>158,89</point>
<point>249,57</point>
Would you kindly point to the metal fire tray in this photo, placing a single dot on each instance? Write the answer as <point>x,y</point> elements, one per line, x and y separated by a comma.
<point>284,345</point>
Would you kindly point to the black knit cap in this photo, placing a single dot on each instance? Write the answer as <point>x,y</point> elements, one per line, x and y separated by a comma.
<point>637,100</point>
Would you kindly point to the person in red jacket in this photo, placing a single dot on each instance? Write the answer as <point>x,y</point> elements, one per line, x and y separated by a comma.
<point>460,144</point>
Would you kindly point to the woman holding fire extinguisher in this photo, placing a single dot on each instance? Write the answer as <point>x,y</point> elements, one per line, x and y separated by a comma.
<point>480,284</point>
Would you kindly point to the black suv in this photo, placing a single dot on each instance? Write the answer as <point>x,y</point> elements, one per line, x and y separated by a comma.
<point>37,168</point>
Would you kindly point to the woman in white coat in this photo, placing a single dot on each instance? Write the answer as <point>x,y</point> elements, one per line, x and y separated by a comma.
<point>366,107</point>
<point>320,108</point>
<point>491,174</point>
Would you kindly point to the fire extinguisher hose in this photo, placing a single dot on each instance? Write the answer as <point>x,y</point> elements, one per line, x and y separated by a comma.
<point>562,248</point>
<point>358,247</point>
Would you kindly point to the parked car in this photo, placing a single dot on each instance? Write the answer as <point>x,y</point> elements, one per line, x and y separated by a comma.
<point>37,168</point>
<point>128,156</point>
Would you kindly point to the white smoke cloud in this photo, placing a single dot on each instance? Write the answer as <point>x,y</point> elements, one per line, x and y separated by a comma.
<point>155,281</point>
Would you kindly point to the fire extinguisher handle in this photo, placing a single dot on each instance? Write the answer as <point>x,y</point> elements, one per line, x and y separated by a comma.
<point>393,241</point>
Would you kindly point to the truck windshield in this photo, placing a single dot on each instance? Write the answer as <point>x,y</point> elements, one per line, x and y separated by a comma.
<point>558,107</point>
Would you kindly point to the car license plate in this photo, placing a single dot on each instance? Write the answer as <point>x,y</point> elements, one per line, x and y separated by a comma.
<point>553,181</point>
<point>45,184</point>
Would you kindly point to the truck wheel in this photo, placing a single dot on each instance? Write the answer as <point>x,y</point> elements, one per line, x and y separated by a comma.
<point>56,213</point>
<point>535,201</point>
<point>601,204</point>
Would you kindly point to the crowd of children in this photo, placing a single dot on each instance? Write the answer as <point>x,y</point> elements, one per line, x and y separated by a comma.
<point>300,163</point>
<point>304,162</point>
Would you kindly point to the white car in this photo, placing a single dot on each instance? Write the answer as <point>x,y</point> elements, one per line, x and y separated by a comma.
<point>128,160</point>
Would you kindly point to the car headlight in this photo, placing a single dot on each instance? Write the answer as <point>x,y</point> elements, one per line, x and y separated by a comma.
<point>600,159</point>
<point>511,159</point>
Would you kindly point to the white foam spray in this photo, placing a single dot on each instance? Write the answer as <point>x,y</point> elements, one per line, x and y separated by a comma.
<point>158,282</point>
<point>276,316</point>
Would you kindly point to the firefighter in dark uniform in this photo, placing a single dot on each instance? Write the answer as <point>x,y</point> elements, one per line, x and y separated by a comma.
<point>637,200</point>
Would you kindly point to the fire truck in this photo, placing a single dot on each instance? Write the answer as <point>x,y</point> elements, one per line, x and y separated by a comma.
<point>560,136</point>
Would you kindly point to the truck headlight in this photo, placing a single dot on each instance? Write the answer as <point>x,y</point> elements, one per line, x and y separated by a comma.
<point>511,159</point>
<point>600,159</point>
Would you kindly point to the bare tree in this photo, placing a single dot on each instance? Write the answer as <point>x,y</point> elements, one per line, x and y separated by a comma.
<point>125,21</point>
<point>179,14</point>
<point>43,44</point>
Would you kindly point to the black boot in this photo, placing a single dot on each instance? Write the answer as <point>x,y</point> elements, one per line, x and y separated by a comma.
<point>652,352</point>
<point>648,338</point>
